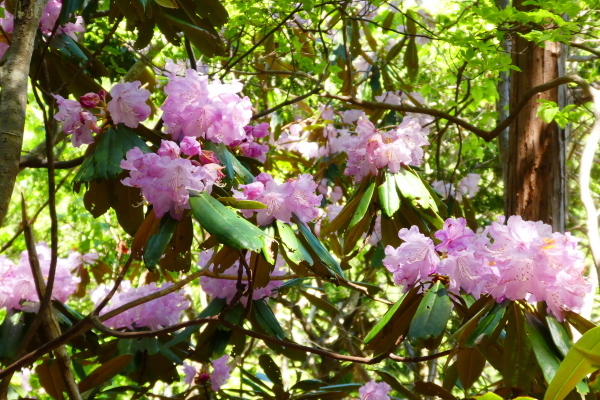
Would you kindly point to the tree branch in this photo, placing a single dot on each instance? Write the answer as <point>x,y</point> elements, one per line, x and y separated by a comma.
<point>485,135</point>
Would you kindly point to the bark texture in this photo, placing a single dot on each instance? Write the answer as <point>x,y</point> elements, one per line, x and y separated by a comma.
<point>535,185</point>
<point>13,95</point>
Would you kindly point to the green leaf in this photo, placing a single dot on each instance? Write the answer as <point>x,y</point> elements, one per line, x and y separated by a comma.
<point>432,315</point>
<point>319,249</point>
<point>206,42</point>
<point>383,321</point>
<point>157,243</point>
<point>242,204</point>
<point>487,324</point>
<point>388,195</point>
<point>581,360</point>
<point>228,227</point>
<point>397,386</point>
<point>293,248</point>
<point>266,319</point>
<point>271,369</point>
<point>489,396</point>
<point>363,205</point>
<point>412,187</point>
<point>104,162</point>
<point>225,157</point>
<point>560,337</point>
<point>68,49</point>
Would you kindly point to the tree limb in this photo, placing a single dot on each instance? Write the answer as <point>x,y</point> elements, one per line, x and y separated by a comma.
<point>485,135</point>
<point>13,95</point>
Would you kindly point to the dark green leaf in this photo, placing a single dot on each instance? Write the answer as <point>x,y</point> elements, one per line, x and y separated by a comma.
<point>265,318</point>
<point>363,205</point>
<point>157,244</point>
<point>388,195</point>
<point>271,369</point>
<point>383,321</point>
<point>223,223</point>
<point>432,315</point>
<point>319,249</point>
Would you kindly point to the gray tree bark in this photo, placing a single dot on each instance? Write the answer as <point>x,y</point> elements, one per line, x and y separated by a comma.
<point>13,95</point>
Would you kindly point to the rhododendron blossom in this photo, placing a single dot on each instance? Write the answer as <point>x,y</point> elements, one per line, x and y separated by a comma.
<point>77,122</point>
<point>221,372</point>
<point>154,314</point>
<point>519,260</point>
<point>295,196</point>
<point>18,289</point>
<point>210,110</point>
<point>374,391</point>
<point>128,104</point>
<point>166,178</point>
<point>374,149</point>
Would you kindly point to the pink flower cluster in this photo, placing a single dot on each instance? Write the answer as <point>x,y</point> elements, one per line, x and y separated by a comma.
<point>49,16</point>
<point>467,187</point>
<point>127,106</point>
<point>155,314</point>
<point>521,260</point>
<point>209,110</point>
<point>226,288</point>
<point>166,178</point>
<point>296,196</point>
<point>18,287</point>
<point>374,391</point>
<point>372,149</point>
<point>77,122</point>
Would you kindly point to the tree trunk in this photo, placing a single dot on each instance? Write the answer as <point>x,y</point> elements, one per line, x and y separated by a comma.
<point>535,186</point>
<point>13,95</point>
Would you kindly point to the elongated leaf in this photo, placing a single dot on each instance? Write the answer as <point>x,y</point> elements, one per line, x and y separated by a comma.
<point>470,365</point>
<point>581,360</point>
<point>242,204</point>
<point>413,188</point>
<point>363,205</point>
<point>271,369</point>
<point>320,303</point>
<point>228,227</point>
<point>487,324</point>
<point>157,243</point>
<point>560,337</point>
<point>106,371</point>
<point>266,319</point>
<point>319,249</point>
<point>51,379</point>
<point>383,321</point>
<point>213,308</point>
<point>106,158</point>
<point>397,386</point>
<point>432,390</point>
<point>388,195</point>
<point>432,315</point>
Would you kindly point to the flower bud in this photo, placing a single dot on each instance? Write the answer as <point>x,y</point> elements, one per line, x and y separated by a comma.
<point>89,100</point>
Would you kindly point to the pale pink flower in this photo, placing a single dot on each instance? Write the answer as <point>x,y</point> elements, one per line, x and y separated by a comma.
<point>155,314</point>
<point>128,104</point>
<point>294,196</point>
<point>454,236</point>
<point>414,260</point>
<point>374,391</point>
<point>221,373</point>
<point>189,372</point>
